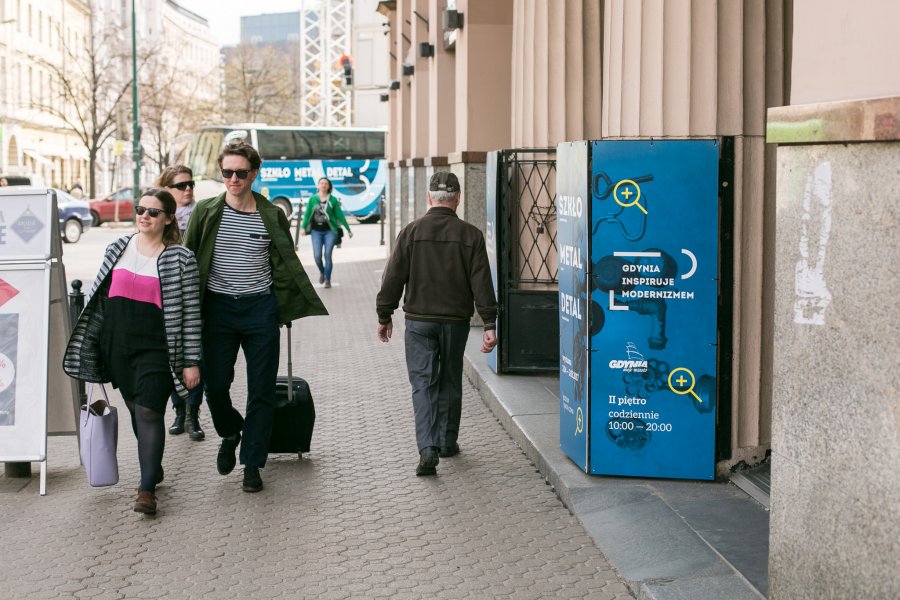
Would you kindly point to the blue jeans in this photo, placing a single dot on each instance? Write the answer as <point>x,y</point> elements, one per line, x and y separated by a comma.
<point>327,240</point>
<point>250,323</point>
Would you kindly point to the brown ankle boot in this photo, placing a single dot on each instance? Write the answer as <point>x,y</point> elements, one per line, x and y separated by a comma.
<point>145,503</point>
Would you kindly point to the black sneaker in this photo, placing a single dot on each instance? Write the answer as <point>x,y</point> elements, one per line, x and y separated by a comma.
<point>226,460</point>
<point>448,451</point>
<point>252,480</point>
<point>428,460</point>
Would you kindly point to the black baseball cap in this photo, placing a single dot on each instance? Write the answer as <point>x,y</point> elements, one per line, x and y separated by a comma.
<point>443,181</point>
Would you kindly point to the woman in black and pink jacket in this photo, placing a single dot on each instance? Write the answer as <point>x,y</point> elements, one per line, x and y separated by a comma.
<point>140,329</point>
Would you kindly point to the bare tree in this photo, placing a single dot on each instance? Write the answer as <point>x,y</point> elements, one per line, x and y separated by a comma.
<point>92,84</point>
<point>260,85</point>
<point>169,108</point>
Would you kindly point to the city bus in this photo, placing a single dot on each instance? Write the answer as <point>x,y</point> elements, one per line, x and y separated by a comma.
<point>294,159</point>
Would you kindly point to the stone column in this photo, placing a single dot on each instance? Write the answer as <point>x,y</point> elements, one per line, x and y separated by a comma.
<point>392,212</point>
<point>417,187</point>
<point>442,88</point>
<point>484,98</point>
<point>469,168</point>
<point>835,515</point>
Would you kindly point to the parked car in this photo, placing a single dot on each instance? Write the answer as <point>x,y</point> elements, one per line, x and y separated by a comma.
<point>74,216</point>
<point>104,209</point>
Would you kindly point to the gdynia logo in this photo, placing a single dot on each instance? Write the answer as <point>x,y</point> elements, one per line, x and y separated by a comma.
<point>635,362</point>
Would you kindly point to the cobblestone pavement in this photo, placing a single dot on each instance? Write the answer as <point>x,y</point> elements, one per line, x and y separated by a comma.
<point>348,520</point>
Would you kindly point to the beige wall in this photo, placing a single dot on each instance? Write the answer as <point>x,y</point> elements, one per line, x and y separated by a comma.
<point>457,100</point>
<point>584,69</point>
<point>845,50</point>
<point>556,72</point>
<point>483,75</point>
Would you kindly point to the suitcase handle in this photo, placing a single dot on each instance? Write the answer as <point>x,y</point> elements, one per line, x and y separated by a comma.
<point>290,367</point>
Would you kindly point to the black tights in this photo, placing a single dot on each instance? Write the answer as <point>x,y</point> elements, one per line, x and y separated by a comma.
<point>149,430</point>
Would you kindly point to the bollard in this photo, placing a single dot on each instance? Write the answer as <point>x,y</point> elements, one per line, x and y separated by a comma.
<point>297,231</point>
<point>76,306</point>
<point>382,221</point>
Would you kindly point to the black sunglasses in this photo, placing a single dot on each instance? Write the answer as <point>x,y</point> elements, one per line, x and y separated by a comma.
<point>241,173</point>
<point>153,212</point>
<point>183,185</point>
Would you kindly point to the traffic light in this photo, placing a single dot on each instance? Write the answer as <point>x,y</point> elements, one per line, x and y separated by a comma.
<point>347,64</point>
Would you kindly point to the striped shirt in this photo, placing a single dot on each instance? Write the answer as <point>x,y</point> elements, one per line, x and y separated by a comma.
<point>240,261</point>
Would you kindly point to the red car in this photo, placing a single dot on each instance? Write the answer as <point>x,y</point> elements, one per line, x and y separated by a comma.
<point>104,209</point>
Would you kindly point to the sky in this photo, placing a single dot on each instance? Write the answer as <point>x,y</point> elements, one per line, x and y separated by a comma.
<point>224,16</point>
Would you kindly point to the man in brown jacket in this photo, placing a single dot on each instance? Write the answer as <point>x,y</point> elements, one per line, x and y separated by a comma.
<point>442,263</point>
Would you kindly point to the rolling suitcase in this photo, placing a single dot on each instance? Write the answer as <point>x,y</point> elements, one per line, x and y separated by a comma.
<point>295,413</point>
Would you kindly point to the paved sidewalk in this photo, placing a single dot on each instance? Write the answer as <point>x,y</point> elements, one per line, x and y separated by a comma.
<point>670,539</point>
<point>349,520</point>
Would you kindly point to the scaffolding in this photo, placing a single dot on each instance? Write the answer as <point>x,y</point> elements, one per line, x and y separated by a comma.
<point>325,29</point>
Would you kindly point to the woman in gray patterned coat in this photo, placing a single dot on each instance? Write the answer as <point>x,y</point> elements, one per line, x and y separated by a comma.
<point>140,329</point>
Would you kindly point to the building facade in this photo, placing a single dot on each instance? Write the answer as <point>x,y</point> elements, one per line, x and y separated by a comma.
<point>835,513</point>
<point>369,53</point>
<point>471,77</point>
<point>36,40</point>
<point>191,51</point>
<point>44,41</point>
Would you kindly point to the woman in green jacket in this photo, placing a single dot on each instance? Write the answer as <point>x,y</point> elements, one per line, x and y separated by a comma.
<point>322,220</point>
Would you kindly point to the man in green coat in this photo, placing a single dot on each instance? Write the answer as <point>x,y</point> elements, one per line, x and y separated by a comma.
<point>251,282</point>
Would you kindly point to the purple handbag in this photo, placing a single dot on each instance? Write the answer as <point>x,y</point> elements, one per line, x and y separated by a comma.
<point>99,424</point>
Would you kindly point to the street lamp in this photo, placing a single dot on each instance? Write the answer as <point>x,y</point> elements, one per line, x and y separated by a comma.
<point>136,129</point>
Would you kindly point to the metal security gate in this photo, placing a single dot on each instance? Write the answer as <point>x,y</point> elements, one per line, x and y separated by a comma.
<point>527,260</point>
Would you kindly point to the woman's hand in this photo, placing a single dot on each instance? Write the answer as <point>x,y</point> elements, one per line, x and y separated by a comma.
<point>350,233</point>
<point>191,377</point>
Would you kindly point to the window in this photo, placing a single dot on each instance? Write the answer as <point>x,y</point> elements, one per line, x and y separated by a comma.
<point>275,145</point>
<point>320,145</point>
<point>204,152</point>
<point>349,144</point>
<point>375,144</point>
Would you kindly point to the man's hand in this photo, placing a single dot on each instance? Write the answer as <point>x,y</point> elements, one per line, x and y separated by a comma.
<point>350,233</point>
<point>191,377</point>
<point>488,340</point>
<point>385,331</point>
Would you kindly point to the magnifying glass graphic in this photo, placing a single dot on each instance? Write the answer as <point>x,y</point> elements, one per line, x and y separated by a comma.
<point>683,380</point>
<point>628,192</point>
<point>579,421</point>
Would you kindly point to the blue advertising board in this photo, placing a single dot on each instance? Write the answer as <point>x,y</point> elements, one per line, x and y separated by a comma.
<point>358,184</point>
<point>491,240</point>
<point>572,219</point>
<point>654,292</point>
